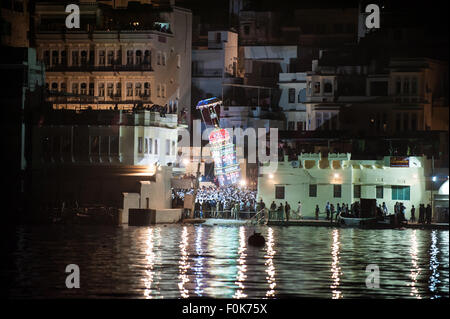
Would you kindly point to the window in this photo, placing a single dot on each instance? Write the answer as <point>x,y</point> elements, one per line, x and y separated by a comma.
<point>328,87</point>
<point>178,61</point>
<point>167,147</point>
<point>406,86</point>
<point>279,192</point>
<point>147,57</point>
<point>150,145</point>
<point>54,86</point>
<point>398,86</point>
<point>379,192</point>
<point>291,95</point>
<point>63,87</point>
<point>83,57</point>
<point>301,126</point>
<point>246,29</point>
<point>291,125</point>
<point>114,145</point>
<point>101,89</point>
<point>414,86</point>
<point>218,37</point>
<point>400,192</point>
<point>101,57</point>
<point>110,57</point>
<point>146,146</point>
<point>140,139</point>
<point>163,91</point>
<point>302,96</point>
<point>147,89</point>
<point>405,121</point>
<point>313,190</point>
<point>158,90</point>
<point>91,89</point>
<point>138,88</point>
<point>357,191</point>
<point>94,145</point>
<point>138,57</point>
<point>316,87</point>
<point>75,88</point>
<point>129,89</point>
<point>163,57</point>
<point>173,147</point>
<point>64,57</point>
<point>118,89</point>
<point>55,57</point>
<point>129,57</point>
<point>83,88</point>
<point>47,57</point>
<point>158,58</point>
<point>156,147</point>
<point>104,145</point>
<point>337,190</point>
<point>75,58</point>
<point>110,89</point>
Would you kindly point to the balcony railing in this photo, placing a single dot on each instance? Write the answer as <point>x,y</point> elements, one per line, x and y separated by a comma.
<point>103,68</point>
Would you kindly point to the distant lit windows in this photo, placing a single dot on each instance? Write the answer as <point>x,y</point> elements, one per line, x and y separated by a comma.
<point>313,190</point>
<point>357,191</point>
<point>291,95</point>
<point>400,192</point>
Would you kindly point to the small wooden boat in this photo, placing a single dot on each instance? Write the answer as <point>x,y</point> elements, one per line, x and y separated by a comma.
<point>356,222</point>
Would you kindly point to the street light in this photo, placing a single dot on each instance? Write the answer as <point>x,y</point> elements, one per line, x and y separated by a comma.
<point>271,176</point>
<point>243,182</point>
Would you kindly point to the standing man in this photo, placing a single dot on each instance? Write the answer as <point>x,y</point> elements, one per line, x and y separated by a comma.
<point>331,212</point>
<point>385,210</point>
<point>317,212</point>
<point>299,210</point>
<point>428,214</point>
<point>287,209</point>
<point>280,211</point>
<point>413,214</point>
<point>421,214</point>
<point>327,209</point>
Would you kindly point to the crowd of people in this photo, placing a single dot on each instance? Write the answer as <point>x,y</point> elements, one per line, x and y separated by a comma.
<point>213,201</point>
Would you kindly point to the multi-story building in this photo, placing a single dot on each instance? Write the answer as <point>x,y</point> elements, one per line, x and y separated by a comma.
<point>14,23</point>
<point>119,58</point>
<point>292,100</point>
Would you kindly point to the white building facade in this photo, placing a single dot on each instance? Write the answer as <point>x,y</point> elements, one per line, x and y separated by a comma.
<point>314,180</point>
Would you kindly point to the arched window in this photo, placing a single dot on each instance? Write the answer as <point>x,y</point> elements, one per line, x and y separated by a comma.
<point>138,57</point>
<point>328,87</point>
<point>83,88</point>
<point>147,89</point>
<point>129,57</point>
<point>147,57</point>
<point>84,55</point>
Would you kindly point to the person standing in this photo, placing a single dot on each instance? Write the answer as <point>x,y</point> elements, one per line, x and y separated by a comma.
<point>413,214</point>
<point>287,209</point>
<point>385,210</point>
<point>421,214</point>
<point>317,212</point>
<point>338,211</point>
<point>280,211</point>
<point>327,209</point>
<point>428,214</point>
<point>299,210</point>
<point>273,208</point>
<point>331,212</point>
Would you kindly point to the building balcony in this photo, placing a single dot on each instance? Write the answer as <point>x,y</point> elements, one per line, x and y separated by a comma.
<point>216,73</point>
<point>105,68</point>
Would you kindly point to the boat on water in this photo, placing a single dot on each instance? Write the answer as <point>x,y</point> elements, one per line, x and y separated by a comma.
<point>369,219</point>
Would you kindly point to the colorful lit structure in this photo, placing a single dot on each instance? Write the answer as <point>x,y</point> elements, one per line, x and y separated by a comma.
<point>226,167</point>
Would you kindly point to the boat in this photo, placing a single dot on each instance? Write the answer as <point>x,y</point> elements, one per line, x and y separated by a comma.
<point>355,222</point>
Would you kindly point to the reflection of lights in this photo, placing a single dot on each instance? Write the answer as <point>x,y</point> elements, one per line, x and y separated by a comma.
<point>415,270</point>
<point>198,267</point>
<point>242,267</point>
<point>434,264</point>
<point>152,242</point>
<point>335,269</point>
<point>270,252</point>
<point>183,263</point>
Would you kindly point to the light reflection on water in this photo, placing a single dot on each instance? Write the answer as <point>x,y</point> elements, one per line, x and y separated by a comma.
<point>182,261</point>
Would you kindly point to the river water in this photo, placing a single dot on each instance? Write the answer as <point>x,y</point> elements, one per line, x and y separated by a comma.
<point>177,261</point>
